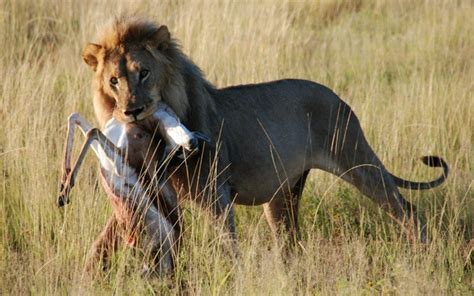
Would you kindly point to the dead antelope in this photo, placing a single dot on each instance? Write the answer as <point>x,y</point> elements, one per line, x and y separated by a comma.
<point>146,212</point>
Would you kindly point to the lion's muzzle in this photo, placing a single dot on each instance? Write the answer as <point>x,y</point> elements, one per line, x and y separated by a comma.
<point>133,113</point>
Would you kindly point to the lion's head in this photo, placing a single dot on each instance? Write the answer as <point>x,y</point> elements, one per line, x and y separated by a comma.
<point>135,67</point>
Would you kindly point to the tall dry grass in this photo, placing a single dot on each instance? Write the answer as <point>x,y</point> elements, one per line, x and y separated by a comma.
<point>406,68</point>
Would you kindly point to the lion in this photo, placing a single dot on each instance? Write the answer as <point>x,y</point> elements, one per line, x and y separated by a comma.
<point>264,138</point>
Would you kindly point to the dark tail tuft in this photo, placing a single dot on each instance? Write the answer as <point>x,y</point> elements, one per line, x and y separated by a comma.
<point>431,161</point>
<point>434,161</point>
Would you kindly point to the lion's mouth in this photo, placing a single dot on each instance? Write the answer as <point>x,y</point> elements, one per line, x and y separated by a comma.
<point>136,114</point>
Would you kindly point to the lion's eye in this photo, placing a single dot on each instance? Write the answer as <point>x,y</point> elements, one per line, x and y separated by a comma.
<point>144,74</point>
<point>114,81</point>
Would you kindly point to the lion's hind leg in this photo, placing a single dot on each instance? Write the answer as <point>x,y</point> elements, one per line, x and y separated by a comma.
<point>347,154</point>
<point>376,183</point>
<point>362,168</point>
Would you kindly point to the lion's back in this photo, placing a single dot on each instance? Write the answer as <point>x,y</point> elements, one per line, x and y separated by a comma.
<point>264,97</point>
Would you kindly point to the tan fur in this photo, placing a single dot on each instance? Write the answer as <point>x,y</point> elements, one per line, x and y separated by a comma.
<point>267,136</point>
<point>127,34</point>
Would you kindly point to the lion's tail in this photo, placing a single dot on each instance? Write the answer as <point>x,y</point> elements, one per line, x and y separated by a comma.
<point>432,161</point>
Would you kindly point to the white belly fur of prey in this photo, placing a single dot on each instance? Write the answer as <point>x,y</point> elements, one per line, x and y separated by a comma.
<point>123,179</point>
<point>176,134</point>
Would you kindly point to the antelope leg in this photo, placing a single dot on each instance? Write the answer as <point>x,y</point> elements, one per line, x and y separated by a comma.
<point>172,130</point>
<point>73,120</point>
<point>111,152</point>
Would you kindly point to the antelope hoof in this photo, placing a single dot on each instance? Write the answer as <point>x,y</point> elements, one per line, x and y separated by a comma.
<point>193,144</point>
<point>62,200</point>
<point>196,140</point>
<point>201,137</point>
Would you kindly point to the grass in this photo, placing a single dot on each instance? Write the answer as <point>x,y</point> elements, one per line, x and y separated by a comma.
<point>406,68</point>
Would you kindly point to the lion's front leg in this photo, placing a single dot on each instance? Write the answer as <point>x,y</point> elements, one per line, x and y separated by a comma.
<point>223,208</point>
<point>219,204</point>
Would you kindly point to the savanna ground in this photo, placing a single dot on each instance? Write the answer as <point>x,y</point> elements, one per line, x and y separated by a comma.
<point>406,68</point>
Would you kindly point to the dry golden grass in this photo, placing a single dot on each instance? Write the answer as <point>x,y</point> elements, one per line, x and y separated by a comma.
<point>406,68</point>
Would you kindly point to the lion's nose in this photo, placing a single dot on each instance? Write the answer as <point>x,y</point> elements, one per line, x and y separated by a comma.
<point>133,112</point>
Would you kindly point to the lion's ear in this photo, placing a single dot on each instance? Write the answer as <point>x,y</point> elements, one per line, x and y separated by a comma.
<point>90,55</point>
<point>161,38</point>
